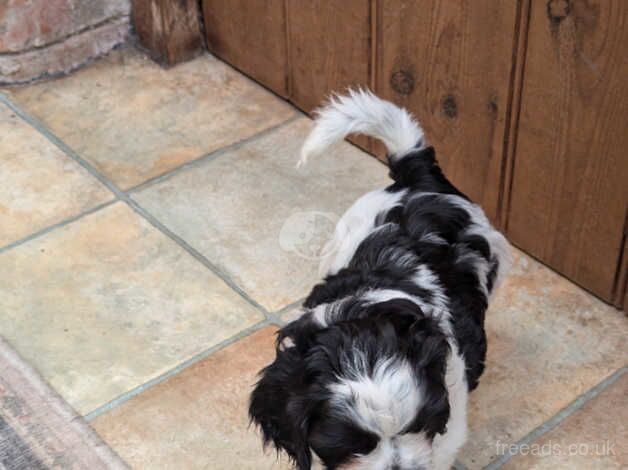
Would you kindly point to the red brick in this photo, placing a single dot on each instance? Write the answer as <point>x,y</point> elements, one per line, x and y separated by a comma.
<point>25,25</point>
<point>64,56</point>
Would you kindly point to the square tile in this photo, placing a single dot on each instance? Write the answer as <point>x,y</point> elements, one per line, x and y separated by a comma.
<point>548,342</point>
<point>106,303</point>
<point>257,217</point>
<point>134,120</point>
<point>593,438</point>
<point>39,185</point>
<point>198,418</point>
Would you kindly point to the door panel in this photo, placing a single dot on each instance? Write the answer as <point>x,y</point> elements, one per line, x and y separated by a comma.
<point>450,62</point>
<point>330,47</point>
<point>570,176</point>
<point>251,37</point>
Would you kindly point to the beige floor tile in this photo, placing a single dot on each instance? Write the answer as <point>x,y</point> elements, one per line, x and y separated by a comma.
<point>39,185</point>
<point>260,219</point>
<point>593,438</point>
<point>549,342</point>
<point>106,303</point>
<point>197,419</point>
<point>134,120</point>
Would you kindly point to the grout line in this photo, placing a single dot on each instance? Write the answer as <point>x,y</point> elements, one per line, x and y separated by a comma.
<point>274,319</point>
<point>119,400</point>
<point>559,417</point>
<point>287,308</point>
<point>39,126</point>
<point>211,156</point>
<point>52,227</point>
<point>125,196</point>
<point>121,195</point>
<point>196,254</point>
<point>275,316</point>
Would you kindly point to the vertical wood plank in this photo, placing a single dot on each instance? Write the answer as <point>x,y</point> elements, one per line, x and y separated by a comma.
<point>569,188</point>
<point>514,110</point>
<point>168,29</point>
<point>329,46</point>
<point>251,36</point>
<point>450,62</point>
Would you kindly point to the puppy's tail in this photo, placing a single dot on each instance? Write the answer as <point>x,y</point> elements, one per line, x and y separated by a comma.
<point>361,112</point>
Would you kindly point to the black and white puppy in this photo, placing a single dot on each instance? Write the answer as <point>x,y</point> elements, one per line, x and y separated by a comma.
<point>375,374</point>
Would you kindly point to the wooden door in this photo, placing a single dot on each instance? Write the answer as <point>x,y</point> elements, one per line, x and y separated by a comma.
<point>302,50</point>
<point>329,46</point>
<point>570,170</point>
<point>250,35</point>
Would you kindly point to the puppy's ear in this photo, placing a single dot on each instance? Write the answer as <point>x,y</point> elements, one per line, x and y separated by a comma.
<point>428,352</point>
<point>278,402</point>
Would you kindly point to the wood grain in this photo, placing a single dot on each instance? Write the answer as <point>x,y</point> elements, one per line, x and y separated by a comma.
<point>168,29</point>
<point>329,46</point>
<point>450,62</point>
<point>514,111</point>
<point>251,36</point>
<point>569,189</point>
<point>329,43</point>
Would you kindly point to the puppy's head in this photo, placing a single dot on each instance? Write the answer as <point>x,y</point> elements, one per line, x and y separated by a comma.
<point>363,393</point>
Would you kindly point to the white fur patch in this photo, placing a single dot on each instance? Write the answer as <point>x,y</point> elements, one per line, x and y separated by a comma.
<point>354,226</point>
<point>409,451</point>
<point>412,450</point>
<point>385,401</point>
<point>361,112</point>
<point>446,446</point>
<point>324,314</point>
<point>425,278</point>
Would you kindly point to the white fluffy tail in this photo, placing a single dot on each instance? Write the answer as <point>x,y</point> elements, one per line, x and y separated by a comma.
<point>361,112</point>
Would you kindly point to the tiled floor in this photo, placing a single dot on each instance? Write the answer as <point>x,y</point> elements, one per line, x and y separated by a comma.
<point>145,262</point>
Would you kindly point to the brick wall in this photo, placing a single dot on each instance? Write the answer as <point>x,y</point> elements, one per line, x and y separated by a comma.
<point>41,38</point>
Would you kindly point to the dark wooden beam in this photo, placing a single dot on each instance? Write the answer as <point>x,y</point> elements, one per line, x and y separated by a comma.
<point>168,29</point>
